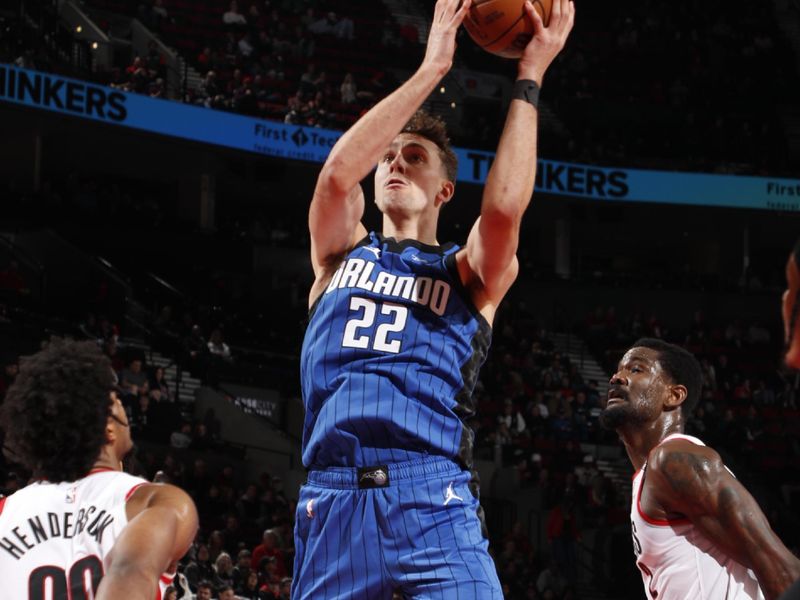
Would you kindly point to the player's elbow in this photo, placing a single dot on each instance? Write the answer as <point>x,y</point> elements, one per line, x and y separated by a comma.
<point>333,180</point>
<point>502,217</point>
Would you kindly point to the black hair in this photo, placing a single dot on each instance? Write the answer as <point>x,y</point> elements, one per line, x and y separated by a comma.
<point>434,129</point>
<point>55,412</point>
<point>681,367</point>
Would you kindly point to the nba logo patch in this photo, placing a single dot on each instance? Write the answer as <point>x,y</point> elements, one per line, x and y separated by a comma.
<point>71,493</point>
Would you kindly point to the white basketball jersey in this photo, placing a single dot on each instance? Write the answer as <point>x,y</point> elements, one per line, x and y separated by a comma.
<point>678,562</point>
<point>54,537</point>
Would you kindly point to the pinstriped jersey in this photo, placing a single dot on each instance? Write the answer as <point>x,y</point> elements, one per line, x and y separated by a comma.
<point>391,357</point>
<point>677,561</point>
<point>54,537</point>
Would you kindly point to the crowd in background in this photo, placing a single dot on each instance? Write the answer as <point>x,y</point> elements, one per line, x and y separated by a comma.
<point>324,64</point>
<point>536,415</point>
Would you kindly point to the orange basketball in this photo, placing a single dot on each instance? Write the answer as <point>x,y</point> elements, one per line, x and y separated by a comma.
<point>502,27</point>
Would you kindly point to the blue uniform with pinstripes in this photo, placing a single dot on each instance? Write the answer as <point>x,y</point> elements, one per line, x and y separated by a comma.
<point>389,362</point>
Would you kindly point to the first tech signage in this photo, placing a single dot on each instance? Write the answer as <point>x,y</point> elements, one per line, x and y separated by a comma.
<point>47,91</point>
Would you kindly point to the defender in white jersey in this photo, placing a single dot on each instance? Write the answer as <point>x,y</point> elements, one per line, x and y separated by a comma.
<point>82,529</point>
<point>697,532</point>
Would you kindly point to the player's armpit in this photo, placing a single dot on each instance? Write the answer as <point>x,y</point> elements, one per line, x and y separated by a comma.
<point>491,257</point>
<point>692,480</point>
<point>162,525</point>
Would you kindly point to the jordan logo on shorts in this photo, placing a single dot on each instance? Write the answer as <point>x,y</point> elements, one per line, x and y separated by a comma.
<point>310,508</point>
<point>449,494</point>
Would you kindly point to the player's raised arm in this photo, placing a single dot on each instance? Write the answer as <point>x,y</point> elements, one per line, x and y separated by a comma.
<point>338,202</point>
<point>692,480</point>
<point>162,526</point>
<point>492,243</point>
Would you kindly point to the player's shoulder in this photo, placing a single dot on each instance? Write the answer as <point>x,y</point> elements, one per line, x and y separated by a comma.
<point>680,455</point>
<point>164,494</point>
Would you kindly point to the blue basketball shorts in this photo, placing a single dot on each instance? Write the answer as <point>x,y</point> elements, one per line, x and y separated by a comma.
<point>411,527</point>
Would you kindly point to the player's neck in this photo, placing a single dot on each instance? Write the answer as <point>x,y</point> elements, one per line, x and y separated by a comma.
<point>107,461</point>
<point>410,228</point>
<point>640,441</point>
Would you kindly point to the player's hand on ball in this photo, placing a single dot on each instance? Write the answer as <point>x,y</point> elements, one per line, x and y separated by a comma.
<point>447,18</point>
<point>548,41</point>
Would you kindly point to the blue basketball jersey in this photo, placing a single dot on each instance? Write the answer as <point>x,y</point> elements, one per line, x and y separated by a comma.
<point>390,358</point>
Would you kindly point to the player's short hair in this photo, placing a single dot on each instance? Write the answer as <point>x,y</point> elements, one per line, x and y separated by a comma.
<point>681,366</point>
<point>433,128</point>
<point>55,412</point>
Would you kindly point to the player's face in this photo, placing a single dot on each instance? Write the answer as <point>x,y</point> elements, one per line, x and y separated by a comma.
<point>410,176</point>
<point>636,389</point>
<point>790,308</point>
<point>119,421</point>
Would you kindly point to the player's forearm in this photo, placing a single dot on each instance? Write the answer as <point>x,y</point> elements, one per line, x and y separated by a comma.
<point>128,583</point>
<point>775,568</point>
<point>357,151</point>
<point>509,185</point>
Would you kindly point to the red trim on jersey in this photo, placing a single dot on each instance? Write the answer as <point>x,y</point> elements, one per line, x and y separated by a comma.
<point>99,470</point>
<point>167,579</point>
<point>651,520</point>
<point>2,504</point>
<point>133,489</point>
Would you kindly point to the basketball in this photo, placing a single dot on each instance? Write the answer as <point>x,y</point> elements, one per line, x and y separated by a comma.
<point>502,27</point>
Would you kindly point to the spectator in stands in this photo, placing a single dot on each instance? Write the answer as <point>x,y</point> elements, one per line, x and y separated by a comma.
<point>563,535</point>
<point>200,569</point>
<point>216,541</point>
<point>347,91</point>
<point>205,591</point>
<point>182,438</point>
<point>171,593</point>
<point>269,548</point>
<point>132,379</point>
<point>551,578</point>
<point>141,417</point>
<point>217,346</point>
<point>241,569</point>
<point>223,571</point>
<point>285,588</point>
<point>250,589</point>
<point>196,348</point>
<point>158,381</point>
<point>232,17</point>
<point>512,418</point>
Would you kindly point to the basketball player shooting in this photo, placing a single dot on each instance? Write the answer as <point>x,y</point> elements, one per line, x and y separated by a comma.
<point>697,532</point>
<point>83,529</point>
<point>399,326</point>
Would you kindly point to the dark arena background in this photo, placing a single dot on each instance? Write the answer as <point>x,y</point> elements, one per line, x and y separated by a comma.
<point>157,162</point>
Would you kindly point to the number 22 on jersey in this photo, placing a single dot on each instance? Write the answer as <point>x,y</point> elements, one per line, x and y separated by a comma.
<point>361,332</point>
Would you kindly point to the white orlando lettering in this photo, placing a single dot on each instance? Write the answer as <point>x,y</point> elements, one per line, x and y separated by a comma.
<point>361,274</point>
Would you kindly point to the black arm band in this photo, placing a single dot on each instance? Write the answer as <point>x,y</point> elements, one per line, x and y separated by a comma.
<point>528,90</point>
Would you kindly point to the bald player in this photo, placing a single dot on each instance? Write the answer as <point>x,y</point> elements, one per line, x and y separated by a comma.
<point>697,532</point>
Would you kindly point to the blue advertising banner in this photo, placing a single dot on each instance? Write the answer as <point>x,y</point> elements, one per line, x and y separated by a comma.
<point>107,105</point>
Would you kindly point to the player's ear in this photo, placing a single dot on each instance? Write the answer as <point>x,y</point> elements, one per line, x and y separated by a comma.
<point>446,192</point>
<point>676,396</point>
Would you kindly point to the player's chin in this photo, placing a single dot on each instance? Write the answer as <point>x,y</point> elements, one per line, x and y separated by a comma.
<point>617,414</point>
